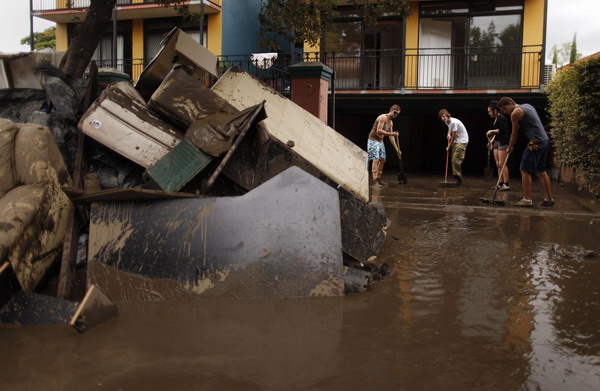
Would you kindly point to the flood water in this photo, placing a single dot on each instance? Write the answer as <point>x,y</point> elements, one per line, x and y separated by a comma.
<point>481,298</point>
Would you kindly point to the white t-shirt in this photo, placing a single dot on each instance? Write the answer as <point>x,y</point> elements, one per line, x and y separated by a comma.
<point>455,125</point>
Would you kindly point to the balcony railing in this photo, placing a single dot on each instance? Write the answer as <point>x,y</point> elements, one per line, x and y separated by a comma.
<point>411,69</point>
<point>50,5</point>
<point>132,67</point>
<point>424,69</point>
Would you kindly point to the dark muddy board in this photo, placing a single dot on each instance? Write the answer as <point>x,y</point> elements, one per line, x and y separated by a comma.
<point>9,284</point>
<point>27,308</point>
<point>281,239</point>
<point>256,161</point>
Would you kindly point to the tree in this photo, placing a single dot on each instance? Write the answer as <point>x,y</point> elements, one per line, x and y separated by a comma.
<point>43,40</point>
<point>554,55</point>
<point>89,33</point>
<point>565,54</point>
<point>305,21</point>
<point>573,56</point>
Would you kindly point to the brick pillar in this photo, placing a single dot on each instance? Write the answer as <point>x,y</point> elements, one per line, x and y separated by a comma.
<point>310,87</point>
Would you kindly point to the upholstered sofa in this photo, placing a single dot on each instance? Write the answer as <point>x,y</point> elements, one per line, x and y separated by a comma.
<point>33,208</point>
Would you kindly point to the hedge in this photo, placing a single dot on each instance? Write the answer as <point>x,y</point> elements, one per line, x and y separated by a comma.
<point>574,108</point>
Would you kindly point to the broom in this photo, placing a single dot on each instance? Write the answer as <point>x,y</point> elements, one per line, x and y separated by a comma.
<point>402,179</point>
<point>494,200</point>
<point>446,183</point>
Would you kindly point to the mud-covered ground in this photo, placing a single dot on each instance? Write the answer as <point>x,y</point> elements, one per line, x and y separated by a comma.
<point>481,298</point>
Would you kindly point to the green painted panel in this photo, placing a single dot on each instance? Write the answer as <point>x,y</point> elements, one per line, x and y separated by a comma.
<point>178,167</point>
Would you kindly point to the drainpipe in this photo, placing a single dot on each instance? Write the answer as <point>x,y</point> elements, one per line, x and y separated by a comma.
<point>114,38</point>
<point>543,59</point>
<point>333,94</point>
<point>403,54</point>
<point>201,40</point>
<point>31,25</point>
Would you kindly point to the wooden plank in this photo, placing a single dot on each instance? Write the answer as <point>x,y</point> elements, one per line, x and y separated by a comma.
<point>323,147</point>
<point>69,255</point>
<point>95,308</point>
<point>130,194</point>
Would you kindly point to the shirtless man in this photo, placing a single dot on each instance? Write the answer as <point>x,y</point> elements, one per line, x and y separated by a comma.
<point>382,127</point>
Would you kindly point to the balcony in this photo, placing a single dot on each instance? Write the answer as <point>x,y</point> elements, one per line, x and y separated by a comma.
<point>411,69</point>
<point>51,5</point>
<point>392,70</point>
<point>74,11</point>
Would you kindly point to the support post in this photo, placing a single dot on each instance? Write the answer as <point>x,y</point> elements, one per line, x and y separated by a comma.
<point>310,87</point>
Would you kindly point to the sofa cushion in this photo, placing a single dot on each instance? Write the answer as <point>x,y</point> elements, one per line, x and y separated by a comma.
<point>18,208</point>
<point>8,130</point>
<point>37,157</point>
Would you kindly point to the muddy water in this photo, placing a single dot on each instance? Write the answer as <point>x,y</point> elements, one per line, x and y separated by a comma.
<point>480,299</point>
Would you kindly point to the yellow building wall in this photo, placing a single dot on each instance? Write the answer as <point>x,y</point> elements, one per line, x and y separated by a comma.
<point>137,48</point>
<point>411,63</point>
<point>215,36</point>
<point>62,37</point>
<point>309,48</point>
<point>533,41</point>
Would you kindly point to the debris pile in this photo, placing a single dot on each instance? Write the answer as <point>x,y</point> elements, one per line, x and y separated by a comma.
<point>183,191</point>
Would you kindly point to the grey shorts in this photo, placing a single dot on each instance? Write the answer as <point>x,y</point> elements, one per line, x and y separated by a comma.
<point>500,147</point>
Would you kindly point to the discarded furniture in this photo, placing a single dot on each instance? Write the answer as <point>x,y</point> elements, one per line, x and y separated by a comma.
<point>287,123</point>
<point>120,120</point>
<point>178,47</point>
<point>32,309</point>
<point>17,70</point>
<point>290,136</point>
<point>33,208</point>
<point>182,99</point>
<point>107,76</point>
<point>207,137</point>
<point>282,239</point>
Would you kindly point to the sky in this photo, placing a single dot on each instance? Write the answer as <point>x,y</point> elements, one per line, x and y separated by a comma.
<point>565,18</point>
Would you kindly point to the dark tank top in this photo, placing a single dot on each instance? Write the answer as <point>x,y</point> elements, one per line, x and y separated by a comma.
<point>531,125</point>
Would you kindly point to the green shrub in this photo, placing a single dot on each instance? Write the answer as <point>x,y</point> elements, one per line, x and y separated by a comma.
<point>574,107</point>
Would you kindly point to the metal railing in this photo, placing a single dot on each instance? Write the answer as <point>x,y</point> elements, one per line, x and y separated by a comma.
<point>51,5</point>
<point>132,67</point>
<point>416,69</point>
<point>437,68</point>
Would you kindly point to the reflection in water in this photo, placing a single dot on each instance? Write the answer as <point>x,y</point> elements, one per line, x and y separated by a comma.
<point>497,285</point>
<point>480,300</point>
<point>566,341</point>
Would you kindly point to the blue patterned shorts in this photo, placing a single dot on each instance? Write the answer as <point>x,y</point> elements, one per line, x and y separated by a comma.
<point>376,150</point>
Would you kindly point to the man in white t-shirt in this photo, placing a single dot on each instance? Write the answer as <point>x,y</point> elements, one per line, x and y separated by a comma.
<point>458,138</point>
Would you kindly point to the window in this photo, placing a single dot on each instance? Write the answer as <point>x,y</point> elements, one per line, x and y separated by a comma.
<point>470,43</point>
<point>366,56</point>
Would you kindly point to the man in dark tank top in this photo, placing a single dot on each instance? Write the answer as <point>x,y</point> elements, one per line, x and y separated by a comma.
<point>525,119</point>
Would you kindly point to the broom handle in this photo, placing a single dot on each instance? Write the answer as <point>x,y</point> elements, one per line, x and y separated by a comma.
<point>500,175</point>
<point>447,158</point>
<point>397,146</point>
